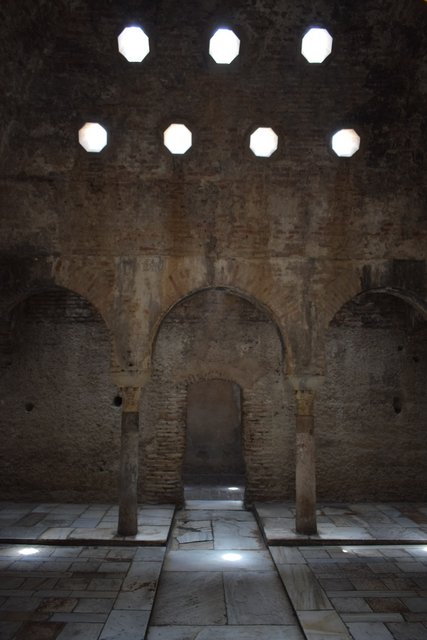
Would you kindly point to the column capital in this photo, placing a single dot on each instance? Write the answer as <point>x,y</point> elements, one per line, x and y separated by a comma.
<point>306,382</point>
<point>131,397</point>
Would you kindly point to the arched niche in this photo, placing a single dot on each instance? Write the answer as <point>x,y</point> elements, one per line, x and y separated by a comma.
<point>215,334</point>
<point>370,413</point>
<point>60,428</point>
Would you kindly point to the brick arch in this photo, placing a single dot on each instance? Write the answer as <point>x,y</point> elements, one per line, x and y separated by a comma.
<point>235,291</point>
<point>85,436</point>
<point>250,356</point>
<point>410,297</point>
<point>371,405</point>
<point>39,287</point>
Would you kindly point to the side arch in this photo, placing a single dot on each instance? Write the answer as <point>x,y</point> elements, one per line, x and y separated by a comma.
<point>59,424</point>
<point>370,410</point>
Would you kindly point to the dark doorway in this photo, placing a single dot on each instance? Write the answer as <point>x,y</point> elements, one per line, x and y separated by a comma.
<point>214,465</point>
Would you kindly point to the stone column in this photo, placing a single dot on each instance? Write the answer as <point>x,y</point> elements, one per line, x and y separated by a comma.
<point>129,455</point>
<point>305,464</point>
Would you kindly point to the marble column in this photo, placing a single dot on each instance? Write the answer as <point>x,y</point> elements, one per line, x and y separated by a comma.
<point>305,464</point>
<point>129,456</point>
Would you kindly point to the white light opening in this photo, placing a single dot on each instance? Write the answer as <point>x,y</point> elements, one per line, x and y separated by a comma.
<point>345,143</point>
<point>263,142</point>
<point>177,138</point>
<point>134,44</point>
<point>224,46</point>
<point>93,137</point>
<point>231,557</point>
<point>233,488</point>
<point>28,551</point>
<point>316,45</point>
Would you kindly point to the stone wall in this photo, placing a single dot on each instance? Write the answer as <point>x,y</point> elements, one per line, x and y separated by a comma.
<point>371,422</point>
<point>135,230</point>
<point>60,430</point>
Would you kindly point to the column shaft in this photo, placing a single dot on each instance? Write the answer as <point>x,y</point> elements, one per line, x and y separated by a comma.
<point>128,497</point>
<point>305,476</point>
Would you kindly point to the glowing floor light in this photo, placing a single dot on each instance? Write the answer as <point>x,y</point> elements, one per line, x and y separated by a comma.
<point>134,44</point>
<point>224,46</point>
<point>233,488</point>
<point>231,557</point>
<point>28,551</point>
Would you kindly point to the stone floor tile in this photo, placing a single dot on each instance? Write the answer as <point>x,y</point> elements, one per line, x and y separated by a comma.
<point>323,625</point>
<point>369,631</point>
<point>372,617</point>
<point>155,554</point>
<point>417,605</point>
<point>387,605</point>
<point>39,631</point>
<point>125,625</point>
<point>256,598</point>
<point>186,597</point>
<point>20,604</point>
<point>79,617</point>
<point>139,600</point>
<point>94,605</point>
<point>80,631</point>
<point>56,533</point>
<point>286,555</point>
<point>105,584</point>
<point>350,605</point>
<point>236,535</point>
<point>114,567</point>
<point>8,629</point>
<point>54,605</point>
<point>407,630</point>
<point>122,553</point>
<point>262,632</point>
<point>336,584</point>
<point>303,588</point>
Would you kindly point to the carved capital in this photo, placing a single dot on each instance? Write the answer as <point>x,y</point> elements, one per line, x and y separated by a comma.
<point>304,402</point>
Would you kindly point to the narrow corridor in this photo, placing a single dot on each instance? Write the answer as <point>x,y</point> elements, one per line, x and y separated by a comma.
<point>219,581</point>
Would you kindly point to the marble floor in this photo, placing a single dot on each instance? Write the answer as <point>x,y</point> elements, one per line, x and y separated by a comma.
<point>219,581</point>
<point>216,579</point>
<point>362,523</point>
<point>80,523</point>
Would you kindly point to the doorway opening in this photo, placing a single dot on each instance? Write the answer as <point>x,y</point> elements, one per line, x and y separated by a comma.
<point>214,467</point>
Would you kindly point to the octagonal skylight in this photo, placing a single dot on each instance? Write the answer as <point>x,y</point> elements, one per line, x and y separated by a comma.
<point>177,138</point>
<point>134,44</point>
<point>224,46</point>
<point>93,137</point>
<point>345,143</point>
<point>263,142</point>
<point>316,45</point>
